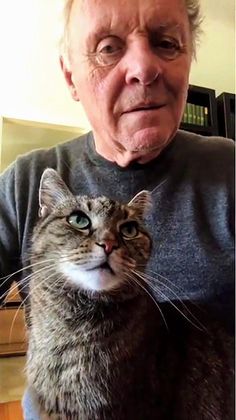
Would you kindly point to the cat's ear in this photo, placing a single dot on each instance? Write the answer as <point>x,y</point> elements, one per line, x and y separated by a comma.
<point>52,191</point>
<point>142,201</point>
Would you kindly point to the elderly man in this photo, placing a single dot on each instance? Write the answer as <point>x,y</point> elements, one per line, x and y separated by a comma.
<point>128,63</point>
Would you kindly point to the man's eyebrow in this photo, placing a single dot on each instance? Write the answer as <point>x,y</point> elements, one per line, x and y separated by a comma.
<point>98,33</point>
<point>101,31</point>
<point>168,25</point>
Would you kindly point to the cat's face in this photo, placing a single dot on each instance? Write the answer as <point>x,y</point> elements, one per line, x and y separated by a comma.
<point>94,243</point>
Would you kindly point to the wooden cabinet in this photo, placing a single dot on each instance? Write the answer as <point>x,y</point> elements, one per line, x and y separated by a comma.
<point>13,333</point>
<point>11,411</point>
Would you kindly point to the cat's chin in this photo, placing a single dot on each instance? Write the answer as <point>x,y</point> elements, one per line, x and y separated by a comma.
<point>98,280</point>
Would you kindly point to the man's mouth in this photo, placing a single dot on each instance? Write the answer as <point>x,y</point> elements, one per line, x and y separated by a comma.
<point>143,107</point>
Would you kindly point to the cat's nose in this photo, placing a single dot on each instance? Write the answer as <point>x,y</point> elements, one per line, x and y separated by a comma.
<point>108,245</point>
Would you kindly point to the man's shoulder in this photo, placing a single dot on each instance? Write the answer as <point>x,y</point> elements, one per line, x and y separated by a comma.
<point>24,174</point>
<point>68,149</point>
<point>59,156</point>
<point>200,143</point>
<point>212,150</point>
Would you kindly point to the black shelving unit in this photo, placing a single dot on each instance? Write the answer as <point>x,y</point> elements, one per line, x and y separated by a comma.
<point>205,97</point>
<point>226,114</point>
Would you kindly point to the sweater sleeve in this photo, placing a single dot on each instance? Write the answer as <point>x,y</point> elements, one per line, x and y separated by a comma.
<point>9,241</point>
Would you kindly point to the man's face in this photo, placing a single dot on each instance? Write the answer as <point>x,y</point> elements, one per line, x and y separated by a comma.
<point>129,67</point>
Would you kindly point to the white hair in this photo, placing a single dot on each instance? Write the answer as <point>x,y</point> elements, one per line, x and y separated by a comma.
<point>193,11</point>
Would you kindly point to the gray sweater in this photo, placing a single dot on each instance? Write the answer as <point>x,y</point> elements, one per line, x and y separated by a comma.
<point>191,222</point>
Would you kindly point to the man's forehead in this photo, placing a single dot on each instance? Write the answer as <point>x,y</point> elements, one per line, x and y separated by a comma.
<point>107,14</point>
<point>108,7</point>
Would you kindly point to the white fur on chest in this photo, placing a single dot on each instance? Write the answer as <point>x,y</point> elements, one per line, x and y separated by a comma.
<point>95,280</point>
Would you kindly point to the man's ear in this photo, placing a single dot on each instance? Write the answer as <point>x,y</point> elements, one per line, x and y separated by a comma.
<point>69,78</point>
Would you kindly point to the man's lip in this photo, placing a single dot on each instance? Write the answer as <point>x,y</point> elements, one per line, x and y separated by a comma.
<point>143,107</point>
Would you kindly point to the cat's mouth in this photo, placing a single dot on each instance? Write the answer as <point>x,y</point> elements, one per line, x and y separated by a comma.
<point>103,266</point>
<point>106,266</point>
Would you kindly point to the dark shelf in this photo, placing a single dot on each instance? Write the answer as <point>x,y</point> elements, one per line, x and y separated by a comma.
<point>204,97</point>
<point>226,114</point>
<point>199,129</point>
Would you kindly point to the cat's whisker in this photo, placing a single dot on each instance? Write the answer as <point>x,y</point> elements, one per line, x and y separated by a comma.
<point>156,289</point>
<point>22,303</point>
<point>48,287</point>
<point>150,279</point>
<point>15,316</point>
<point>31,256</point>
<point>125,259</point>
<point>22,269</point>
<point>24,280</point>
<point>40,283</point>
<point>25,268</point>
<point>33,276</point>
<point>178,289</point>
<point>135,280</point>
<point>13,288</point>
<point>159,186</point>
<point>75,256</point>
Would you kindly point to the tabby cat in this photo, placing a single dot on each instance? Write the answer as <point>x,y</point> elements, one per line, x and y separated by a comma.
<point>98,346</point>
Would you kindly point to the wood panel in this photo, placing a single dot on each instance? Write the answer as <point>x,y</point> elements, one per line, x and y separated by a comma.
<point>11,411</point>
<point>12,326</point>
<point>13,295</point>
<point>13,333</point>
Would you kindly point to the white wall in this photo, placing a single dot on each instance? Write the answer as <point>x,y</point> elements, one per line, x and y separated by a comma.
<point>32,86</point>
<point>215,66</point>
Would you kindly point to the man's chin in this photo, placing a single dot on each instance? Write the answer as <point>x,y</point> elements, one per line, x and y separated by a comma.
<point>148,138</point>
<point>145,140</point>
<point>145,145</point>
<point>142,145</point>
<point>127,157</point>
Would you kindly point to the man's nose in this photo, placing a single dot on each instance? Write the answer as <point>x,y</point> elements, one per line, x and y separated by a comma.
<point>108,245</point>
<point>142,64</point>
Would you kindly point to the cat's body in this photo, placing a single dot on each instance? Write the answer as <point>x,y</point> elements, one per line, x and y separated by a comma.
<point>104,353</point>
<point>100,365</point>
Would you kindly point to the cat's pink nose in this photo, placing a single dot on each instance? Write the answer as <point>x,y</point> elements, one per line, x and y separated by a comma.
<point>108,245</point>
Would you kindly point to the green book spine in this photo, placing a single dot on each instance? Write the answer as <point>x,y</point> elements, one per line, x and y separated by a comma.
<point>187,111</point>
<point>190,113</point>
<point>202,115</point>
<point>206,122</point>
<point>185,116</point>
<point>194,114</point>
<point>198,112</point>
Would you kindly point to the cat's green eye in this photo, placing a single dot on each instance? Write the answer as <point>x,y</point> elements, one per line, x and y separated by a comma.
<point>129,230</point>
<point>79,220</point>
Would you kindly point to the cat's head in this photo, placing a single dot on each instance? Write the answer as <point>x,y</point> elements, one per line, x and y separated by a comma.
<point>94,243</point>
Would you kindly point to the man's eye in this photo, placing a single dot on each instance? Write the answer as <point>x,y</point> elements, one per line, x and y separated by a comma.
<point>109,50</point>
<point>167,48</point>
<point>169,45</point>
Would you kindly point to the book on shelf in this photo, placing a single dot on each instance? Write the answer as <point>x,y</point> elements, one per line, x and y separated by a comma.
<point>196,114</point>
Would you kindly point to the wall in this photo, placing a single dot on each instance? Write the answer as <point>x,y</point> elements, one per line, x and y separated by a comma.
<point>19,137</point>
<point>215,65</point>
<point>32,84</point>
